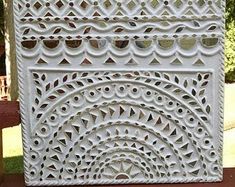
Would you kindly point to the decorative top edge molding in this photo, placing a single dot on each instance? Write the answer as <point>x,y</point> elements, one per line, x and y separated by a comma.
<point>118,7</point>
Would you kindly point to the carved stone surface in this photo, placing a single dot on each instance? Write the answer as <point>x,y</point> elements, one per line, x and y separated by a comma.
<point>116,91</point>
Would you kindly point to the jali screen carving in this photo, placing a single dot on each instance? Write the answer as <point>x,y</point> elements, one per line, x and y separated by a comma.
<point>115,91</point>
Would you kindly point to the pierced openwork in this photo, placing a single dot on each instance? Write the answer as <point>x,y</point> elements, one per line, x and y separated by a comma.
<point>116,91</point>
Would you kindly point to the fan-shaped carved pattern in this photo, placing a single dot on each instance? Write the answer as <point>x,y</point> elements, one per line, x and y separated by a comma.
<point>91,121</point>
<point>116,91</point>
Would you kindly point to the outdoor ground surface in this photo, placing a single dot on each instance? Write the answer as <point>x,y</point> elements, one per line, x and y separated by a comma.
<point>12,145</point>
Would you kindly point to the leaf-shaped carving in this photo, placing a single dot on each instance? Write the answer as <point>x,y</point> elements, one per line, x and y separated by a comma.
<point>166,76</point>
<point>56,83</point>
<point>74,76</point>
<point>205,83</point>
<point>106,73</point>
<point>37,82</point>
<point>193,103</point>
<point>91,81</point>
<point>196,24</point>
<point>179,29</point>
<point>43,77</point>
<point>157,83</point>
<point>70,86</point>
<point>199,77</point>
<point>36,100</point>
<point>208,109</point>
<point>204,118</point>
<point>57,30</point>
<point>65,78</point>
<point>212,28</point>
<point>84,74</point>
<point>168,86</point>
<point>35,75</point>
<point>194,92</point>
<point>206,76</point>
<point>60,91</point>
<point>177,90</point>
<point>176,79</point>
<point>157,74</point>
<point>148,30</point>
<point>43,106</point>
<point>52,97</point>
<point>194,82</point>
<point>202,92</point>
<point>48,86</point>
<point>26,31</point>
<point>79,83</point>
<point>39,115</point>
<point>146,137</point>
<point>107,77</point>
<point>199,110</point>
<point>87,30</point>
<point>119,30</point>
<point>185,83</point>
<point>203,100</point>
<point>186,97</point>
<point>39,91</point>
<point>129,75</point>
<point>133,24</point>
<point>137,73</point>
<point>42,26</point>
<point>72,25</point>
<point>148,80</point>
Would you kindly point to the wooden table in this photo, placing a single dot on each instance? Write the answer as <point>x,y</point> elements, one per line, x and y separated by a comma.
<point>10,116</point>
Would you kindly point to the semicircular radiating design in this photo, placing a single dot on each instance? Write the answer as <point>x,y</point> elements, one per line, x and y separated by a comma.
<point>174,118</point>
<point>103,144</point>
<point>113,167</point>
<point>96,129</point>
<point>108,107</point>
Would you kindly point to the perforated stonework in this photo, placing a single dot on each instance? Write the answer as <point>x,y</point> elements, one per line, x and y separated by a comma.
<point>116,91</point>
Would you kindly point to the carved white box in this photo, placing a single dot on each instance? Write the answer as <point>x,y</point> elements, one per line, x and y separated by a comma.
<point>116,91</point>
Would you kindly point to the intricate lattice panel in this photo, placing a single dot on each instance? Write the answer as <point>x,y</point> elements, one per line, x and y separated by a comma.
<point>120,91</point>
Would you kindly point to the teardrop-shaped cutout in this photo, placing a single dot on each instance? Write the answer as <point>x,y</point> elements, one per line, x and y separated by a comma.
<point>212,28</point>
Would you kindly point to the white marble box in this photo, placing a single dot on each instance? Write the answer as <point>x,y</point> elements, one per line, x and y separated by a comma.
<point>117,92</point>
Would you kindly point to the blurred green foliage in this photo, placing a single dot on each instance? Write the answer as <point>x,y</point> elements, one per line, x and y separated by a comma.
<point>230,42</point>
<point>230,53</point>
<point>230,11</point>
